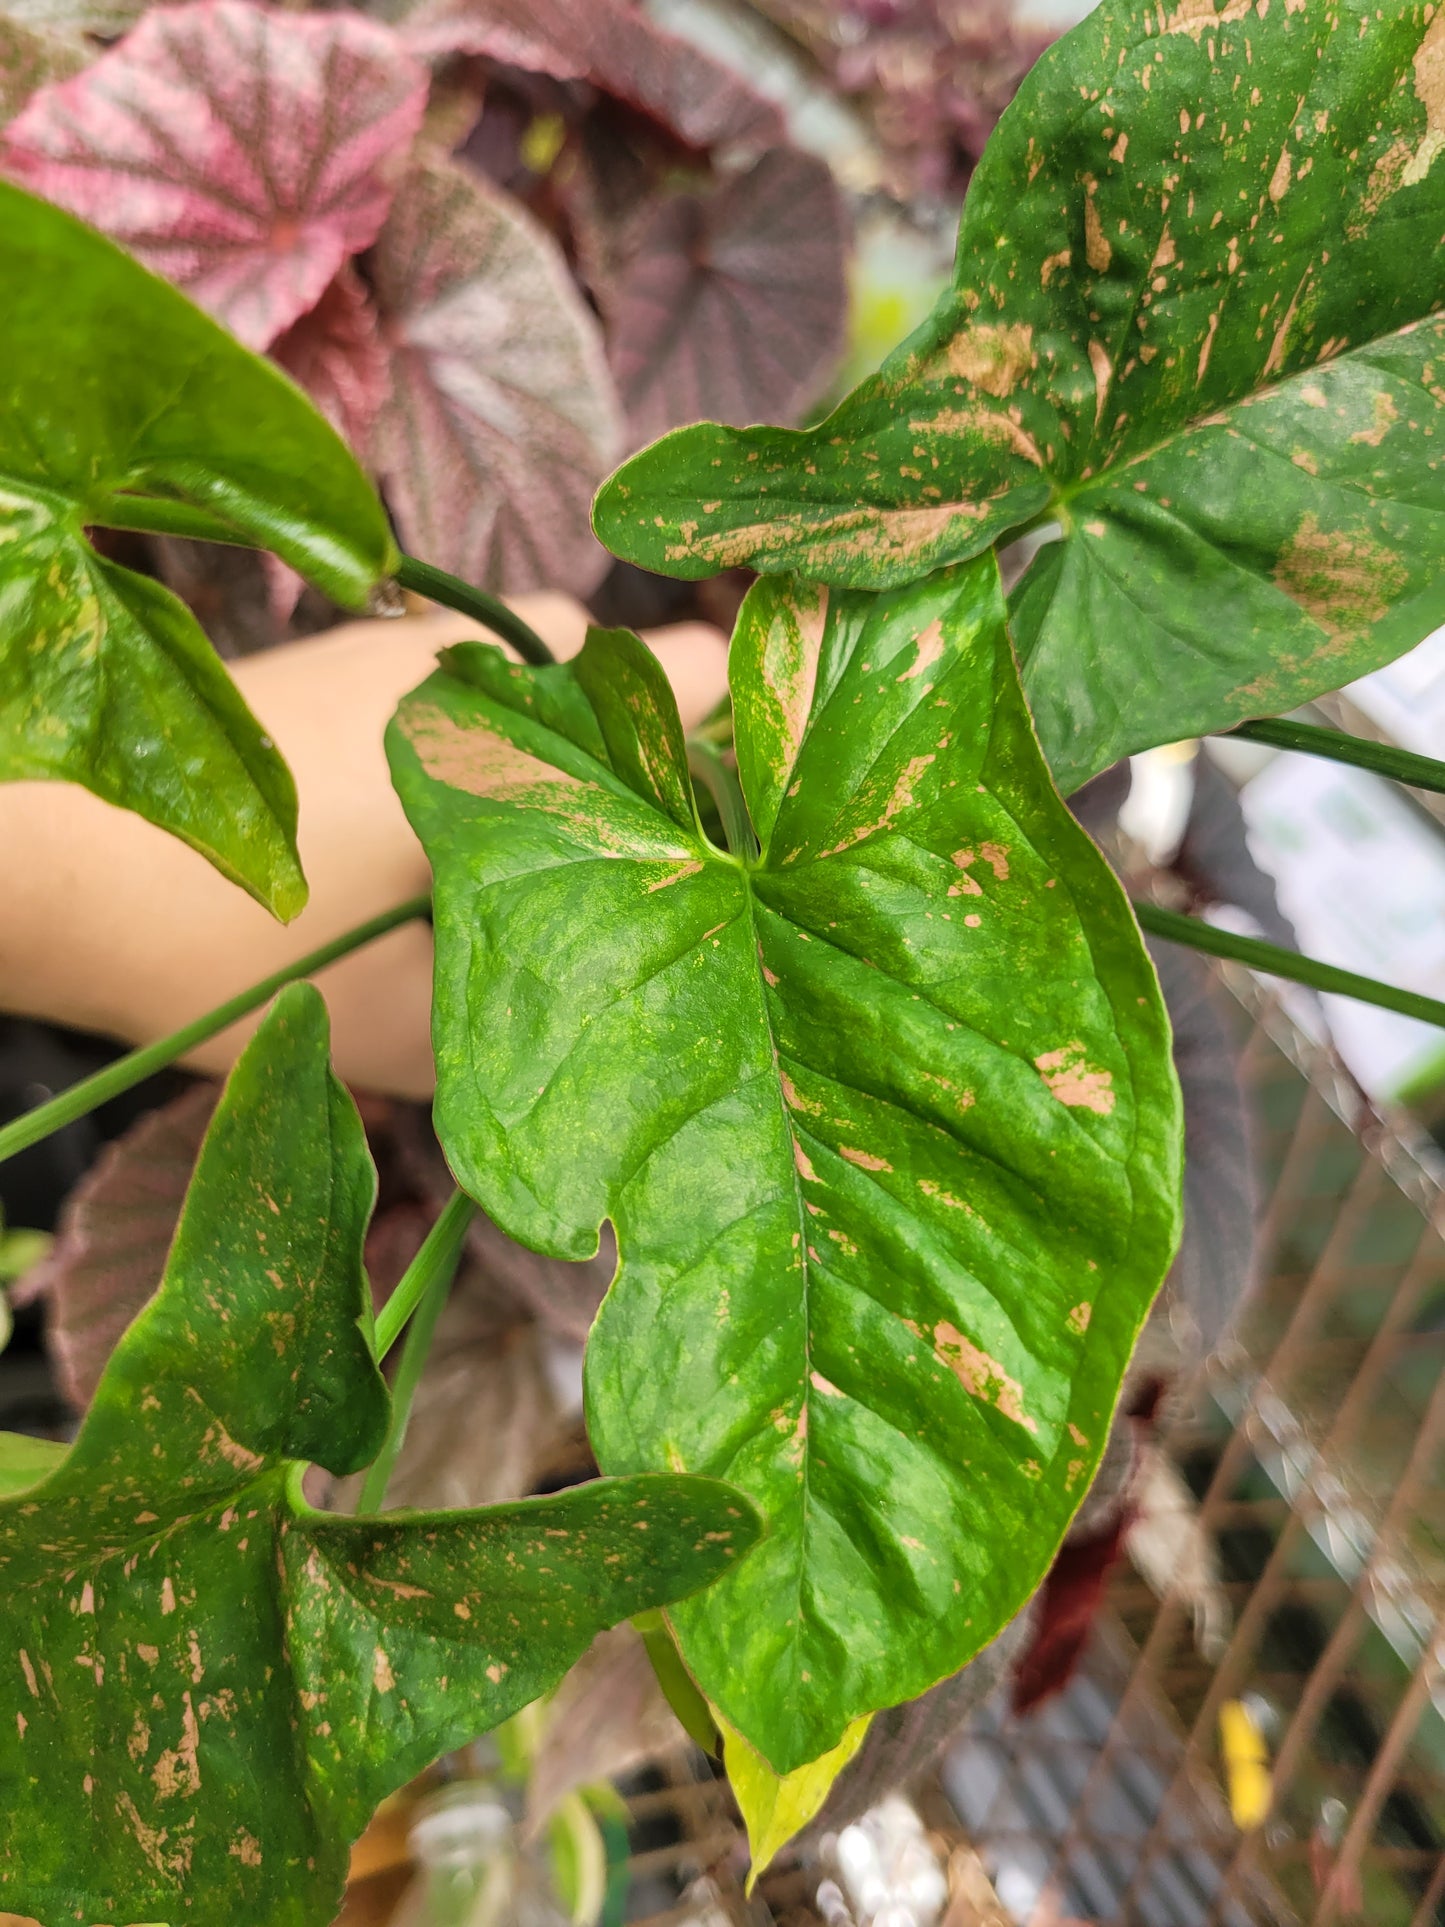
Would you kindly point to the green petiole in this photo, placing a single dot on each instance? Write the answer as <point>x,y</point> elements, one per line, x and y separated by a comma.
<point>156,515</point>
<point>419,1298</point>
<point>1400,765</point>
<point>1268,957</point>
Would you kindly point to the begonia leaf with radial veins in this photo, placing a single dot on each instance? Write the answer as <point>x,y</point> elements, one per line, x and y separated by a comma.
<point>243,152</point>
<point>731,302</point>
<point>884,1118</point>
<point>208,1685</point>
<point>1196,321</point>
<point>502,415</point>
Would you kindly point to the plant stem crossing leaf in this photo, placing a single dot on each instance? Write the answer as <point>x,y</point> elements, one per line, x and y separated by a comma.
<point>885,1121</point>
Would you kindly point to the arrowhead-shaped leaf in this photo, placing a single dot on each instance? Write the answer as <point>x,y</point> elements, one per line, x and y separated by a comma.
<point>885,1120</point>
<point>240,151</point>
<point>502,415</point>
<point>1193,320</point>
<point>209,1686</point>
<point>732,303</point>
<point>105,677</point>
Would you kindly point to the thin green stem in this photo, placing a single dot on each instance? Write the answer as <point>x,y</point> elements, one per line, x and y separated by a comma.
<point>710,768</point>
<point>422,578</point>
<point>1400,765</point>
<point>156,515</point>
<point>424,1287</point>
<point>436,1259</point>
<point>1268,957</point>
<point>137,1065</point>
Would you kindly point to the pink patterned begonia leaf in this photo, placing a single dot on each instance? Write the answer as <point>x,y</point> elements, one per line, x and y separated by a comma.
<point>503,417</point>
<point>31,56</point>
<point>244,153</point>
<point>335,352</point>
<point>616,46</point>
<point>731,305</point>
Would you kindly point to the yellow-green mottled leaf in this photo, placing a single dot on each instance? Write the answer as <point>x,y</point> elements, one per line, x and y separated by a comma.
<point>775,1806</point>
<point>115,383</point>
<point>207,1685</point>
<point>884,1119</point>
<point>1195,321</point>
<point>25,1461</point>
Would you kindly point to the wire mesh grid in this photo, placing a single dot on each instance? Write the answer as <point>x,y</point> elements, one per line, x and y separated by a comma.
<point>1312,1449</point>
<point>1312,1452</point>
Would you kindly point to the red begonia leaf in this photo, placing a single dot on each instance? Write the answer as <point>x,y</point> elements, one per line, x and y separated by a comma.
<point>337,355</point>
<point>503,417</point>
<point>731,305</point>
<point>616,46</point>
<point>243,153</point>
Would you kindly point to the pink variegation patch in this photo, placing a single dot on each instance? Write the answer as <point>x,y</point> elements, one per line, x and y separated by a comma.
<point>243,153</point>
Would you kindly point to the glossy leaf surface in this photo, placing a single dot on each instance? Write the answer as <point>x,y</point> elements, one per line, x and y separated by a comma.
<point>105,677</point>
<point>502,414</point>
<point>242,152</point>
<point>1193,320</point>
<point>732,303</point>
<point>886,1122</point>
<point>209,1686</point>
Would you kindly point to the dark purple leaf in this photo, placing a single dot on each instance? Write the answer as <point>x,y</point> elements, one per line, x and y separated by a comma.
<point>731,306</point>
<point>503,417</point>
<point>614,45</point>
<point>244,153</point>
<point>115,1234</point>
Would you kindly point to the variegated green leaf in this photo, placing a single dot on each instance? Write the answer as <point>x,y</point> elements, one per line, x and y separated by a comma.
<point>884,1119</point>
<point>207,1685</point>
<point>1194,323</point>
<point>116,386</point>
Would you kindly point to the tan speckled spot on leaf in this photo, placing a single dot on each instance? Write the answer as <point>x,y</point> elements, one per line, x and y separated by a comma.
<point>1344,582</point>
<point>1073,1082</point>
<point>981,1376</point>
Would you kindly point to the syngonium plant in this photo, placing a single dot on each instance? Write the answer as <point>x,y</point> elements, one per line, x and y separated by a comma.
<point>846,1028</point>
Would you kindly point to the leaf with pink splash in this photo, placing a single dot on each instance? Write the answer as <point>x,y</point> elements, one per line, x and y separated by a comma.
<point>503,417</point>
<point>245,154</point>
<point>616,46</point>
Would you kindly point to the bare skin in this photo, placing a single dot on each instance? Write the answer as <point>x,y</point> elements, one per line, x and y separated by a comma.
<point>112,926</point>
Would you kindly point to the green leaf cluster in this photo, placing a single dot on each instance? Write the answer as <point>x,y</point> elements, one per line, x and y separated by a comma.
<point>1193,335</point>
<point>208,1684</point>
<point>878,1098</point>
